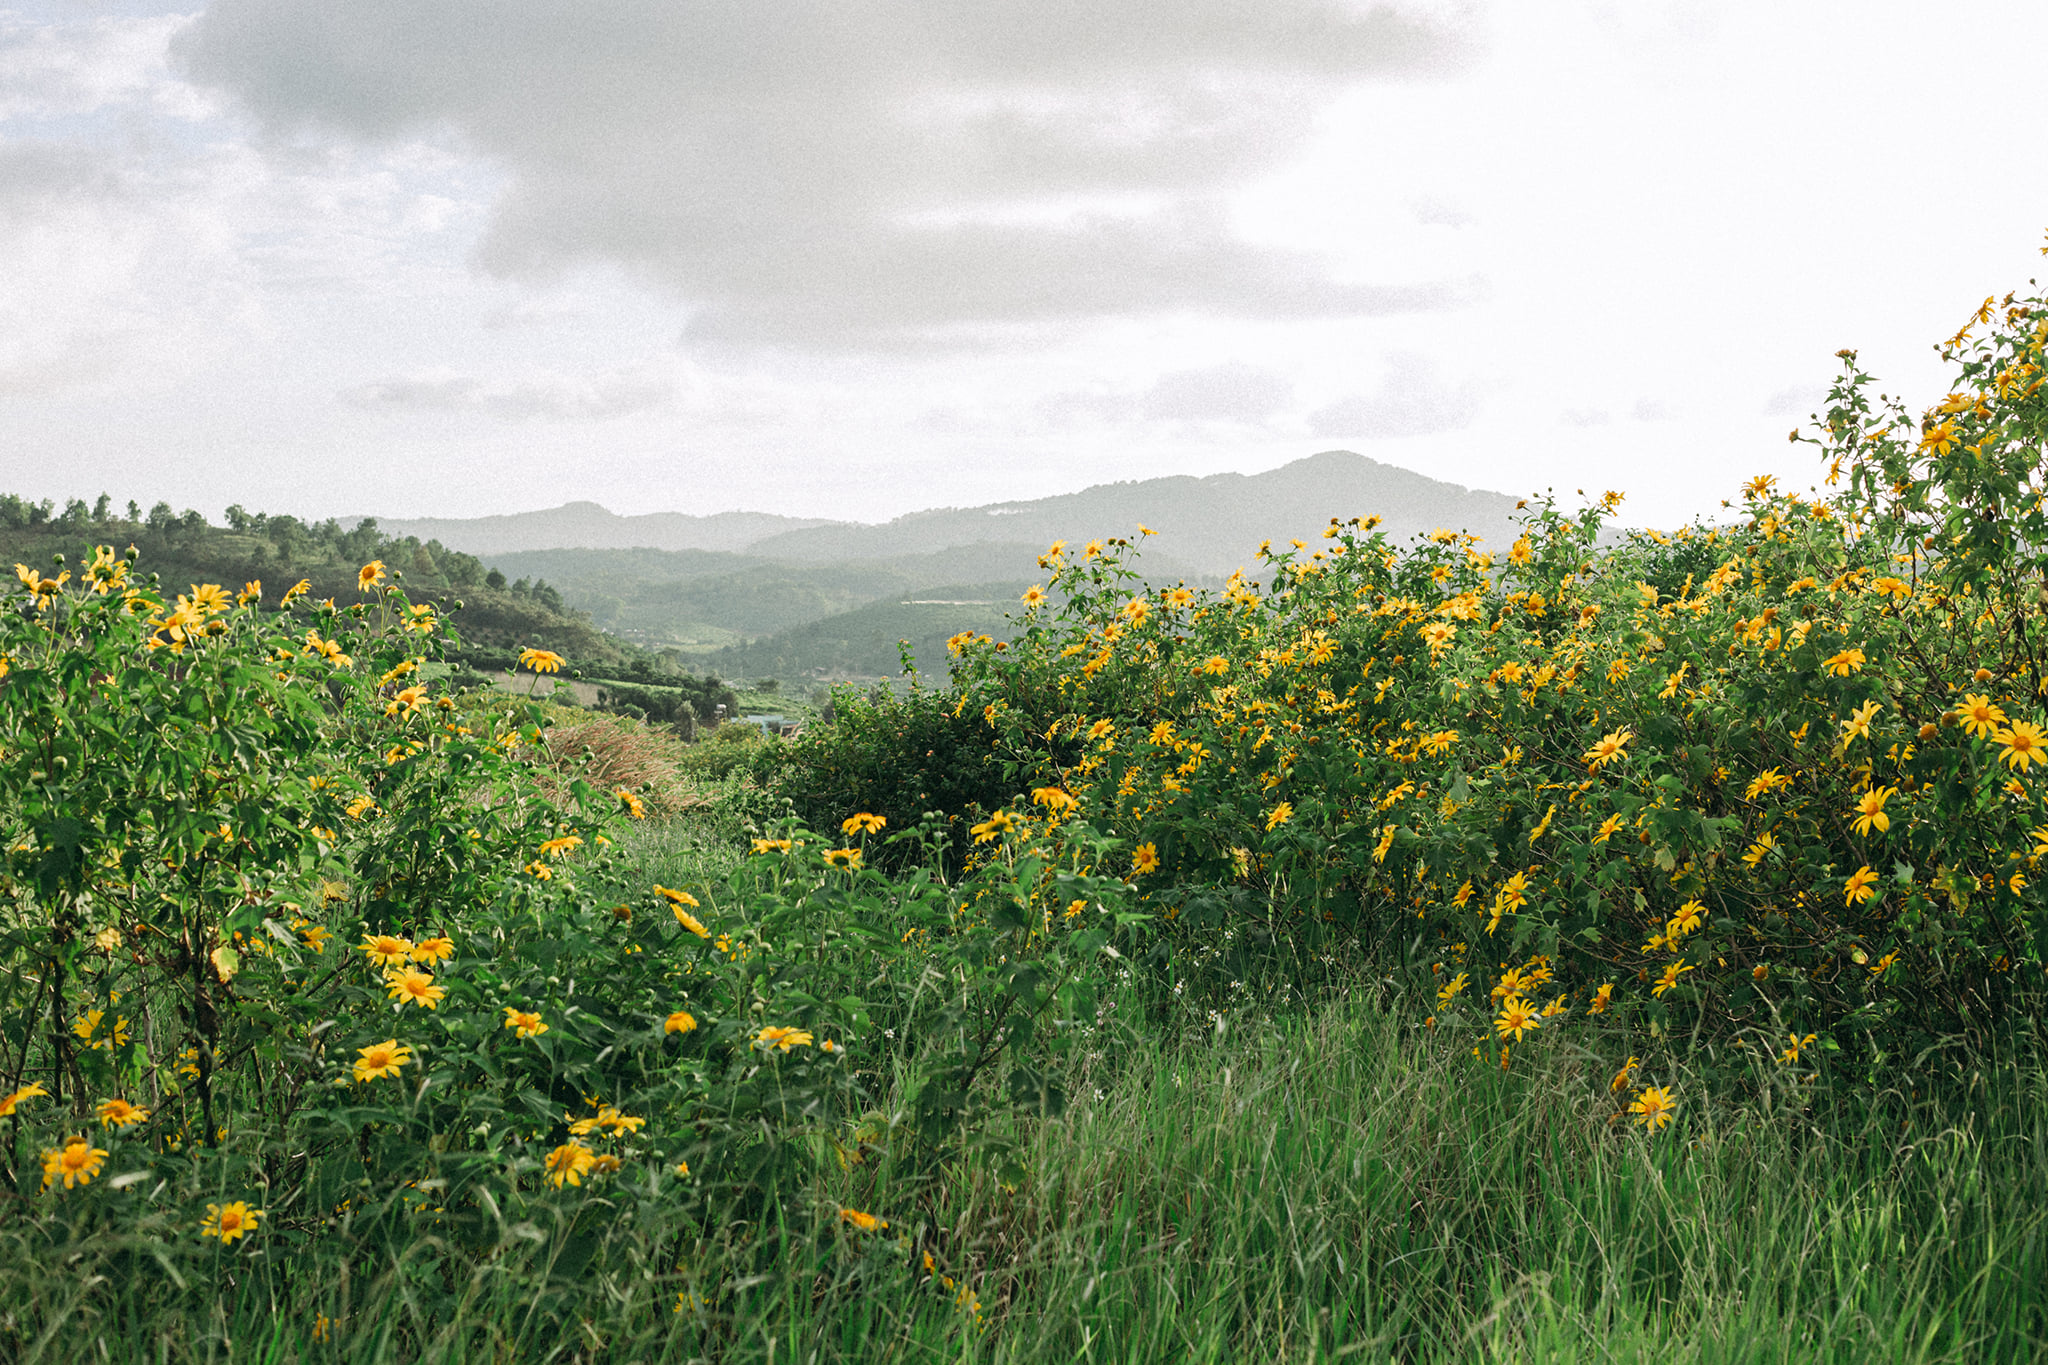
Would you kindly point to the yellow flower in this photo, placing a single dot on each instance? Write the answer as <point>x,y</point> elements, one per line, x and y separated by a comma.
<point>75,1163</point>
<point>208,598</point>
<point>1516,1015</point>
<point>541,660</point>
<point>557,849</point>
<point>387,950</point>
<point>315,937</point>
<point>2024,745</point>
<point>1385,845</point>
<point>1759,850</point>
<point>997,825</point>
<point>229,1221</point>
<point>1054,799</point>
<point>120,1113</point>
<point>635,807</point>
<point>780,1039</point>
<point>1859,886</point>
<point>1034,598</point>
<point>1608,749</point>
<point>567,1163</point>
<point>608,1118</point>
<point>848,858</point>
<point>1844,663</point>
<point>87,1027</point>
<point>682,1021</point>
<point>381,1059</point>
<point>1979,717</point>
<point>1870,812</point>
<point>1768,781</point>
<point>1602,998</point>
<point>525,1023</point>
<point>27,1092</point>
<point>866,1222</point>
<point>414,985</point>
<point>1670,977</point>
<point>1653,1107</point>
<point>408,700</point>
<point>1279,815</point>
<point>771,845</point>
<point>1607,829</point>
<point>863,823</point>
<point>1451,989</point>
<point>370,575</point>
<point>1137,611</point>
<point>1858,724</point>
<point>1624,1076</point>
<point>432,950</point>
<point>1794,1045</point>
<point>1144,859</point>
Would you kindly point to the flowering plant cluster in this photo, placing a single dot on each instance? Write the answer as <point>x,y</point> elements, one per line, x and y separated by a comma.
<point>299,952</point>
<point>1768,781</point>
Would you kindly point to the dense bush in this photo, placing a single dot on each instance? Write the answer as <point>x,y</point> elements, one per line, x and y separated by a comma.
<point>303,954</point>
<point>901,753</point>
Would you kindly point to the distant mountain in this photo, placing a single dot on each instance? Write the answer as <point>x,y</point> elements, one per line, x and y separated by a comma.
<point>1207,525</point>
<point>1211,524</point>
<point>585,525</point>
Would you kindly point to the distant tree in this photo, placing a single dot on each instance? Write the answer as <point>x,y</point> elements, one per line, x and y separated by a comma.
<point>495,579</point>
<point>546,594</point>
<point>75,514</point>
<point>13,511</point>
<point>101,507</point>
<point>39,512</point>
<point>524,587</point>
<point>134,510</point>
<point>162,517</point>
<point>239,518</point>
<point>770,685</point>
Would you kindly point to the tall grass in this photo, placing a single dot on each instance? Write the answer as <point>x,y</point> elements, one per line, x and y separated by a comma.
<point>1316,1187</point>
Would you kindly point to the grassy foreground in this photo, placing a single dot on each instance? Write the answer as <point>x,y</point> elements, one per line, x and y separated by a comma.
<point>1317,1187</point>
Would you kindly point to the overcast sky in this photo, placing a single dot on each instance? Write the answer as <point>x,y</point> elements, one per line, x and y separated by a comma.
<point>857,257</point>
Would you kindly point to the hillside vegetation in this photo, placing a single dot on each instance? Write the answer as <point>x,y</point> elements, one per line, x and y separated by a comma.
<point>1580,949</point>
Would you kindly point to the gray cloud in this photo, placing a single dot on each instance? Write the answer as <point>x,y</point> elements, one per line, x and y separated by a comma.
<point>1413,401</point>
<point>559,398</point>
<point>815,172</point>
<point>1233,392</point>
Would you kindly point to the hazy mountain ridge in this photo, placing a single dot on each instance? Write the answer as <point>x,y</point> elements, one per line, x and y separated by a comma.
<point>1213,524</point>
<point>1210,524</point>
<point>586,525</point>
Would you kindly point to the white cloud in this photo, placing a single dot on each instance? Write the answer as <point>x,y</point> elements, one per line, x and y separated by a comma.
<point>816,173</point>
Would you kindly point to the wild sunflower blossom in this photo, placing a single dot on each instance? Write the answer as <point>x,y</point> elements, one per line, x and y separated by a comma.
<point>381,1059</point>
<point>777,1038</point>
<point>862,823</point>
<point>119,1113</point>
<point>524,1023</point>
<point>568,1163</point>
<point>1516,1016</point>
<point>27,1092</point>
<point>75,1163</point>
<point>682,1021</point>
<point>1870,812</point>
<point>2023,744</point>
<point>1860,886</point>
<point>541,660</point>
<point>412,985</point>
<point>1608,750</point>
<point>865,1222</point>
<point>1980,718</point>
<point>229,1221</point>
<point>387,950</point>
<point>1653,1107</point>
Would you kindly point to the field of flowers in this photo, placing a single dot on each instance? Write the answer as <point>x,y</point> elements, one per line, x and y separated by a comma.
<point>1626,944</point>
